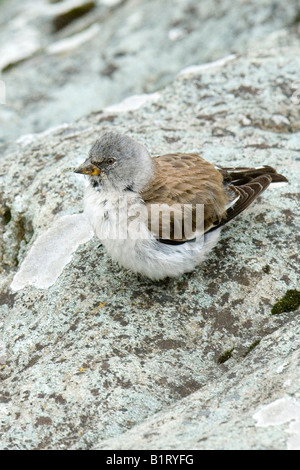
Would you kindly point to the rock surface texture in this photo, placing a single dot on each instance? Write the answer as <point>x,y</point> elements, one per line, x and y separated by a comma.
<point>63,59</point>
<point>92,356</point>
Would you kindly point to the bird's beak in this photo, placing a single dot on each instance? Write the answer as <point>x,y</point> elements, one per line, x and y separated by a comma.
<point>88,169</point>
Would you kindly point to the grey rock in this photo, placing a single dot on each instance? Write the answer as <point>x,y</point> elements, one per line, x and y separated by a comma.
<point>62,60</point>
<point>252,407</point>
<point>104,359</point>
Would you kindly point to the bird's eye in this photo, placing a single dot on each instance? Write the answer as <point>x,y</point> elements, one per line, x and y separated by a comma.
<point>111,160</point>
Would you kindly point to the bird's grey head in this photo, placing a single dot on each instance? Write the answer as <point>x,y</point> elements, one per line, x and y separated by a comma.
<point>117,161</point>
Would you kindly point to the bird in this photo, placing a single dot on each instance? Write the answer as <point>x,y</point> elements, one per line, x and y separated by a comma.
<point>160,216</point>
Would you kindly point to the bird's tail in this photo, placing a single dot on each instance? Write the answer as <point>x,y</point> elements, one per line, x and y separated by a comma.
<point>244,185</point>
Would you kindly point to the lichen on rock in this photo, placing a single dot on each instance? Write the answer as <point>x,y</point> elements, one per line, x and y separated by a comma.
<point>92,356</point>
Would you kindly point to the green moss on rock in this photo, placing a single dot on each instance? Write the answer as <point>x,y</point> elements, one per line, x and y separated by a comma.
<point>251,347</point>
<point>288,303</point>
<point>225,356</point>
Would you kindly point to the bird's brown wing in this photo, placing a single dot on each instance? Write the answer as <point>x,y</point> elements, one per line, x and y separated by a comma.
<point>184,182</point>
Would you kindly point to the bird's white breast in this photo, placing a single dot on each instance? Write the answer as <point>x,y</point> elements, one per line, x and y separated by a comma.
<point>111,213</point>
<point>116,215</point>
<point>114,218</point>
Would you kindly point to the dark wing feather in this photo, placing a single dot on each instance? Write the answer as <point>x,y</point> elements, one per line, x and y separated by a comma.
<point>247,194</point>
<point>241,175</point>
<point>246,184</point>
